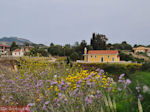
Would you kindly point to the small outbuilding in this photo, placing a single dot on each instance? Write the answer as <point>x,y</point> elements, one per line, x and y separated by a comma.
<point>18,53</point>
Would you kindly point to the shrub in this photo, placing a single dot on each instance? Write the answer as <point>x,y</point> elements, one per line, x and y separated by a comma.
<point>146,66</point>
<point>113,68</point>
<point>130,57</point>
<point>74,56</point>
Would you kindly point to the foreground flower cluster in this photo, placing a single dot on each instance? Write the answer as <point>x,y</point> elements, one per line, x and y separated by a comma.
<point>59,88</point>
<point>83,79</point>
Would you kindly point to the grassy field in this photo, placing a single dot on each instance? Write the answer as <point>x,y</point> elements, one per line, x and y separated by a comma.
<point>58,87</point>
<point>141,81</point>
<point>143,78</point>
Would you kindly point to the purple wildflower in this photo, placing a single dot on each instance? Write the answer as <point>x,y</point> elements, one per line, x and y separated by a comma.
<point>128,81</point>
<point>89,99</point>
<point>89,77</point>
<point>140,97</point>
<point>31,104</point>
<point>59,94</point>
<point>100,74</point>
<point>93,74</point>
<point>78,86</point>
<point>39,83</point>
<point>63,83</point>
<point>44,107</point>
<point>121,76</point>
<point>98,69</point>
<point>56,100</point>
<point>98,94</point>
<point>80,81</point>
<point>109,89</point>
<point>63,86</point>
<point>53,83</point>
<point>88,83</point>
<point>47,102</point>
<point>121,81</point>
<point>101,71</point>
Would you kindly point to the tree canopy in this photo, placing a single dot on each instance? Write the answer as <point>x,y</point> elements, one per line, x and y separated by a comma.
<point>98,41</point>
<point>14,46</point>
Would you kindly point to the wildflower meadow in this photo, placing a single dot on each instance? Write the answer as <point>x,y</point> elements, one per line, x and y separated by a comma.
<point>58,87</point>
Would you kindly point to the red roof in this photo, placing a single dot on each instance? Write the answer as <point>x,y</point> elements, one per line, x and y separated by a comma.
<point>102,52</point>
<point>17,50</point>
<point>4,45</point>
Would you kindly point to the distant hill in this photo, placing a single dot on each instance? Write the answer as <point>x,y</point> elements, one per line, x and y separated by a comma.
<point>9,40</point>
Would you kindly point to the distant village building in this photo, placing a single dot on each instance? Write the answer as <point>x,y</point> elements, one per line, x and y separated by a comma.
<point>4,49</point>
<point>142,49</point>
<point>27,49</point>
<point>22,52</point>
<point>18,53</point>
<point>101,56</point>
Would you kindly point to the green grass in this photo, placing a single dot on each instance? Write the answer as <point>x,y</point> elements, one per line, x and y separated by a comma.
<point>142,79</point>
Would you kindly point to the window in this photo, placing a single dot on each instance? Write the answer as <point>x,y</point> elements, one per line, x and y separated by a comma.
<point>95,56</point>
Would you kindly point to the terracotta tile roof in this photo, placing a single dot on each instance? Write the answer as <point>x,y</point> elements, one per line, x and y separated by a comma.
<point>4,45</point>
<point>102,52</point>
<point>17,50</point>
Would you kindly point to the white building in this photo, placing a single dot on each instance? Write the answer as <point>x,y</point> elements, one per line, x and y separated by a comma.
<point>4,49</point>
<point>18,53</point>
<point>141,49</point>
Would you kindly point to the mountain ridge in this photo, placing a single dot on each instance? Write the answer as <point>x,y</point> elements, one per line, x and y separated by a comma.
<point>19,41</point>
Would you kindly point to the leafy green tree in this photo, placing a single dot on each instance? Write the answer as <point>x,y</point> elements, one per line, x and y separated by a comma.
<point>51,44</point>
<point>39,52</point>
<point>121,46</point>
<point>56,50</point>
<point>14,46</point>
<point>126,46</point>
<point>83,44</point>
<point>98,41</point>
<point>67,50</point>
<point>130,57</point>
<point>126,57</point>
<point>74,56</point>
<point>34,51</point>
<point>43,52</point>
<point>109,46</point>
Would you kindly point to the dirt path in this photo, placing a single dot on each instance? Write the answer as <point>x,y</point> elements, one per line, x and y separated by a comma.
<point>10,64</point>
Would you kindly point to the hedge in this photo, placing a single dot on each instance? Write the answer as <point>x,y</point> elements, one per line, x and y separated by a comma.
<point>113,68</point>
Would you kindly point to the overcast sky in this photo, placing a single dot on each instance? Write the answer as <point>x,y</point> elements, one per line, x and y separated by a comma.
<point>68,21</point>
